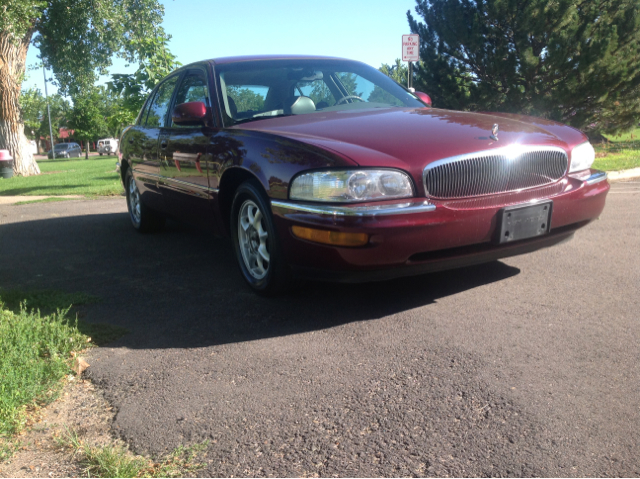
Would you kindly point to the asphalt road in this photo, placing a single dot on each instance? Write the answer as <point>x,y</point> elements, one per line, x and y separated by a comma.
<point>525,367</point>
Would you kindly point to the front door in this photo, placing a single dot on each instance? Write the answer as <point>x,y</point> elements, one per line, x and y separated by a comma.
<point>184,166</point>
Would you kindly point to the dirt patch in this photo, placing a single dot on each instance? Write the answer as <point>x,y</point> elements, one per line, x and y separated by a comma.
<point>79,408</point>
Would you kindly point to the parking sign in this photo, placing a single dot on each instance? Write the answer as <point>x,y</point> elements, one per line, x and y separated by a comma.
<point>410,48</point>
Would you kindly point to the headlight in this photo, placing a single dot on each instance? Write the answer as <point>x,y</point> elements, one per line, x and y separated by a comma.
<point>351,186</point>
<point>582,157</point>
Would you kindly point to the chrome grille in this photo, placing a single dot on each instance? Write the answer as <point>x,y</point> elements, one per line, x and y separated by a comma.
<point>494,171</point>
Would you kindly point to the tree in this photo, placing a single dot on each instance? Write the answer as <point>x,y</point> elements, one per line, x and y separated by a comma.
<point>350,83</point>
<point>397,72</point>
<point>574,61</point>
<point>77,39</point>
<point>320,93</point>
<point>117,119</point>
<point>115,111</point>
<point>157,62</point>
<point>87,118</point>
<point>246,99</point>
<point>59,109</point>
<point>33,107</point>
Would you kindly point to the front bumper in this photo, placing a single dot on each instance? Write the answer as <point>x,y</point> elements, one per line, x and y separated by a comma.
<point>418,236</point>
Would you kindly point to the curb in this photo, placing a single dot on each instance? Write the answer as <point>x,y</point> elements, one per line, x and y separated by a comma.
<point>623,174</point>
<point>9,200</point>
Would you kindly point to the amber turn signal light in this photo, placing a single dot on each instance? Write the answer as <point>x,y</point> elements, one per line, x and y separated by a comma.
<point>335,238</point>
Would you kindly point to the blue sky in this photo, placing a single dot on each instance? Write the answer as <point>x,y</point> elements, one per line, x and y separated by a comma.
<point>366,30</point>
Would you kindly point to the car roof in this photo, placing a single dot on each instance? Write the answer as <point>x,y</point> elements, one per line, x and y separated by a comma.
<point>253,58</point>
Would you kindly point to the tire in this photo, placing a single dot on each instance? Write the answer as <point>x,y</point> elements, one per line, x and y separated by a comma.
<point>143,218</point>
<point>100,154</point>
<point>256,243</point>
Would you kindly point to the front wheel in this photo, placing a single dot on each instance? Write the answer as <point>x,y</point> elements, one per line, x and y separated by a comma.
<point>256,243</point>
<point>143,218</point>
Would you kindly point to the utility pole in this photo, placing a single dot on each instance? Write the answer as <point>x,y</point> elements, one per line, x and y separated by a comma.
<point>46,96</point>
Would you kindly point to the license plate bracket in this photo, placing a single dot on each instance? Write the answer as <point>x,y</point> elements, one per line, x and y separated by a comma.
<point>524,221</point>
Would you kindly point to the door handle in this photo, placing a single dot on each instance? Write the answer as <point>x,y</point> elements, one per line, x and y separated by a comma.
<point>163,144</point>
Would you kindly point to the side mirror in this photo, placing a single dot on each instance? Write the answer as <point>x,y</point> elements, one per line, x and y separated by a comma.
<point>423,97</point>
<point>192,113</point>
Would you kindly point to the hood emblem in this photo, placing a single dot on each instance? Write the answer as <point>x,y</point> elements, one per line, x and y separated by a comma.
<point>494,132</point>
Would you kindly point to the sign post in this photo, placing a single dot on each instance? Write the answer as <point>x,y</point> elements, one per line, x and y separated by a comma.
<point>410,52</point>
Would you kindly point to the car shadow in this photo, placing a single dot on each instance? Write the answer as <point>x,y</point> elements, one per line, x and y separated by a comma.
<point>182,288</point>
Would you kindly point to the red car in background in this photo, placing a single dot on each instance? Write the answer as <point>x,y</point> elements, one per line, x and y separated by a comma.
<point>325,168</point>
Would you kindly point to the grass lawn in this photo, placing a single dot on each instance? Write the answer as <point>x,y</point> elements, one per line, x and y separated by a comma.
<point>617,160</point>
<point>621,153</point>
<point>93,177</point>
<point>38,341</point>
<point>117,460</point>
<point>630,136</point>
<point>39,335</point>
<point>35,354</point>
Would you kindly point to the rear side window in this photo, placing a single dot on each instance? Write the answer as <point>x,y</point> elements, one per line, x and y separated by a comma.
<point>160,105</point>
<point>142,117</point>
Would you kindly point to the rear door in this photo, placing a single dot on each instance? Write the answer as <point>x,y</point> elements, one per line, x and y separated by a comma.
<point>146,136</point>
<point>185,158</point>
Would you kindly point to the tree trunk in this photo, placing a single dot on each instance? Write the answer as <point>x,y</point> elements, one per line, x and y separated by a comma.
<point>13,56</point>
<point>86,156</point>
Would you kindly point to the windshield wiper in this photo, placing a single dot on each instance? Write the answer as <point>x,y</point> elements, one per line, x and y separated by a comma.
<point>261,117</point>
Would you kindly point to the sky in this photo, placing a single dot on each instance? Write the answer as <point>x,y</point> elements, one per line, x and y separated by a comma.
<point>366,30</point>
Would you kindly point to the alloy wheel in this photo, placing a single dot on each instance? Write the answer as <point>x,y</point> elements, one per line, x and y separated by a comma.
<point>253,240</point>
<point>134,201</point>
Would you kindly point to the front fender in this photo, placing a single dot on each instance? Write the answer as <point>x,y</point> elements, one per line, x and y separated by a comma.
<point>273,160</point>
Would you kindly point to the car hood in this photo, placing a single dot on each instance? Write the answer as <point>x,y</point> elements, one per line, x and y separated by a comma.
<point>411,138</point>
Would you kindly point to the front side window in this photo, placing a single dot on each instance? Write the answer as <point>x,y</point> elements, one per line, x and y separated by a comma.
<point>257,90</point>
<point>192,88</point>
<point>160,105</point>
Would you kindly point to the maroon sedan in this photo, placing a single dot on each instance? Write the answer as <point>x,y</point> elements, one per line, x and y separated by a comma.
<point>325,168</point>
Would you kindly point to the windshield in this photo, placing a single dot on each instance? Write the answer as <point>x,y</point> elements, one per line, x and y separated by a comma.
<point>62,146</point>
<point>255,90</point>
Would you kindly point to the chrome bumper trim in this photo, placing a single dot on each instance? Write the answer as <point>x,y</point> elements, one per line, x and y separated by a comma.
<point>596,177</point>
<point>376,210</point>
